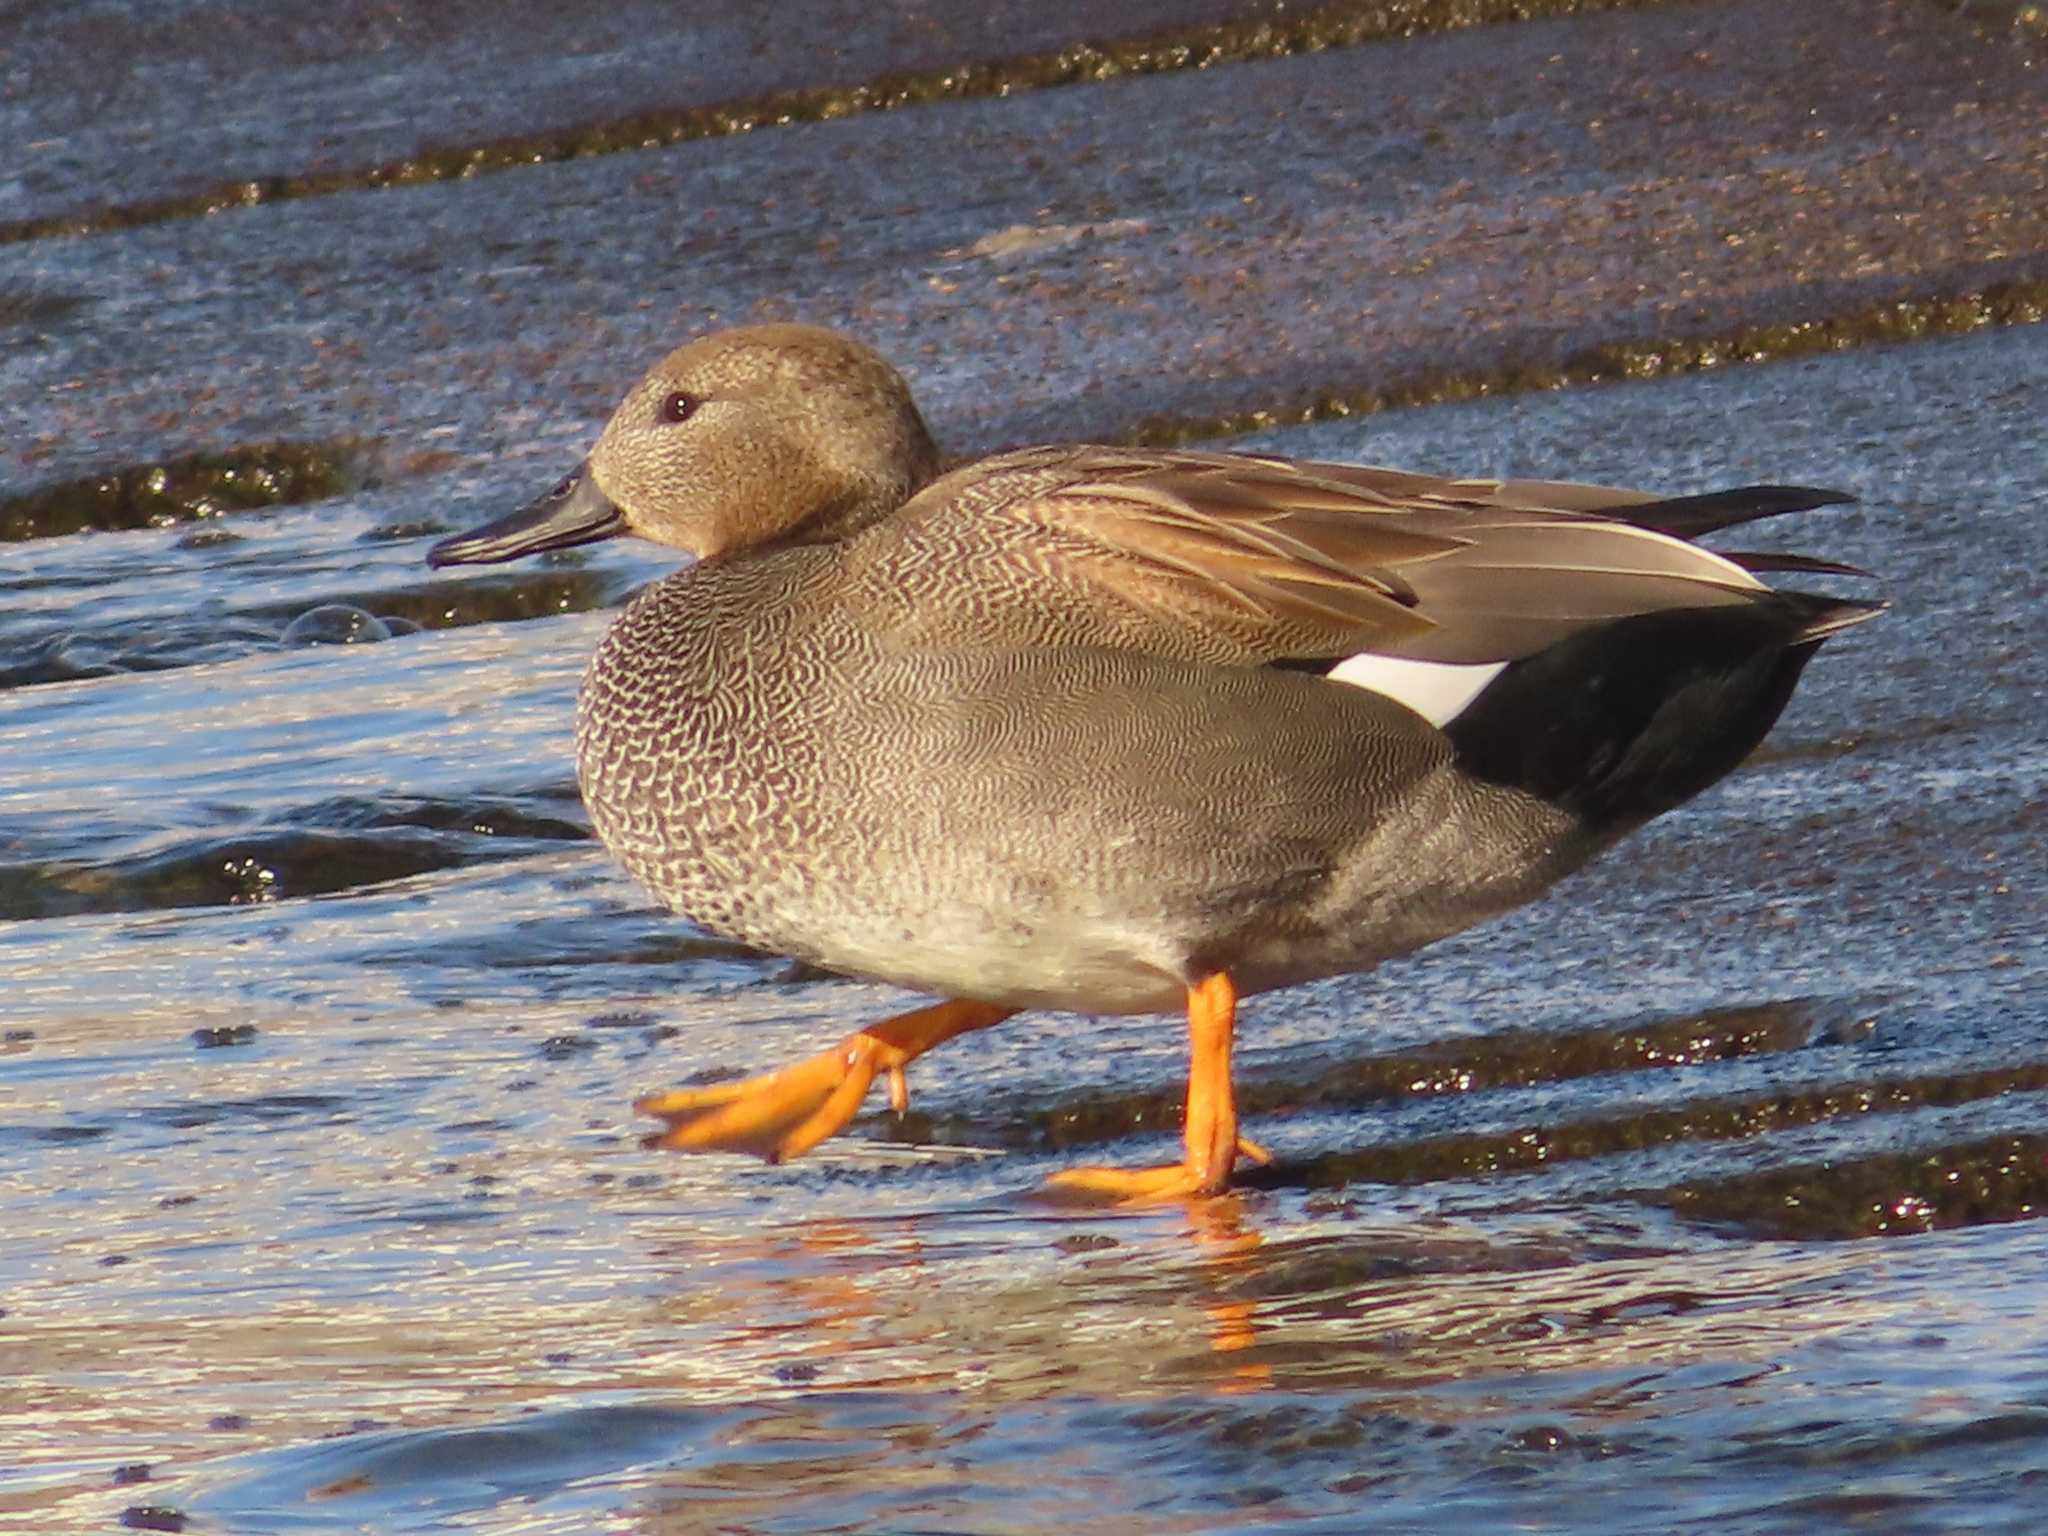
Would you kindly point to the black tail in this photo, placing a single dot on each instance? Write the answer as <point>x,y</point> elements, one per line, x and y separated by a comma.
<point>1621,723</point>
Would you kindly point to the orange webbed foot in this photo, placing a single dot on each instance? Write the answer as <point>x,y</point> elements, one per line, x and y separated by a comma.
<point>783,1114</point>
<point>1151,1186</point>
<point>774,1115</point>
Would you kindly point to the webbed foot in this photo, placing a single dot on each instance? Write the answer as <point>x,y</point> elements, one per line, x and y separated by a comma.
<point>783,1114</point>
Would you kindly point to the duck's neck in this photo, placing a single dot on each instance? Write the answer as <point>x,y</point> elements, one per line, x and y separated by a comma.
<point>872,497</point>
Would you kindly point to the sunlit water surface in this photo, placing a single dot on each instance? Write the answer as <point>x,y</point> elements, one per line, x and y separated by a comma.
<point>325,1209</point>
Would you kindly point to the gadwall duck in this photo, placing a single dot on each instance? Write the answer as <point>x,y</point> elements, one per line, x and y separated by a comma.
<point>1115,730</point>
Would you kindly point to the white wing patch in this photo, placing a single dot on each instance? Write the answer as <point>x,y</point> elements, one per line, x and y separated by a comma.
<point>1435,690</point>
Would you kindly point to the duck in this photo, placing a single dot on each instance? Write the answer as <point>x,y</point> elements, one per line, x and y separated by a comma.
<point>1112,730</point>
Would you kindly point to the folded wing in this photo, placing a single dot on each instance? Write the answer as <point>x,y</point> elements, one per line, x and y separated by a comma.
<point>1242,558</point>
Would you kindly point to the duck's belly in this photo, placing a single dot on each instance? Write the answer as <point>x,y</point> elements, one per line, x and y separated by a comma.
<point>996,924</point>
<point>1089,962</point>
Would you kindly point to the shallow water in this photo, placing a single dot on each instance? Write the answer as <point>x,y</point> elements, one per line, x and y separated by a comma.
<point>326,1211</point>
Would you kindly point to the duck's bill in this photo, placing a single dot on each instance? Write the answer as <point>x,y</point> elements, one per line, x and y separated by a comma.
<point>574,512</point>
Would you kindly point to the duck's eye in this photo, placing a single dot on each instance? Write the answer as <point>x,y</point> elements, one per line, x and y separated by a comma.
<point>679,407</point>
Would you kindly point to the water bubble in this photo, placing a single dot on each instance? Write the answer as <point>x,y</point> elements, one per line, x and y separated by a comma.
<point>336,624</point>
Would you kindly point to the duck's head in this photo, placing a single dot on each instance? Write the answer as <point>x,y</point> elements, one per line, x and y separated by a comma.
<point>763,435</point>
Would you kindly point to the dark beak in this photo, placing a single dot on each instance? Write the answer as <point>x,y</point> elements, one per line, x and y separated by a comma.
<point>574,512</point>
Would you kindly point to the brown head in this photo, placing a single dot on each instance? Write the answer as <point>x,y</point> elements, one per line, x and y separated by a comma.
<point>759,436</point>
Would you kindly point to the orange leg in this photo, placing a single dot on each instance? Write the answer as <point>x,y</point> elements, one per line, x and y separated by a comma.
<point>1210,1133</point>
<point>783,1114</point>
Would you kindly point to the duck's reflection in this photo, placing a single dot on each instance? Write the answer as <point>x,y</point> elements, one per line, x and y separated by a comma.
<point>1167,1300</point>
<point>1226,1243</point>
<point>1215,1298</point>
